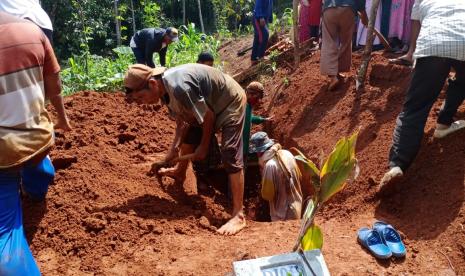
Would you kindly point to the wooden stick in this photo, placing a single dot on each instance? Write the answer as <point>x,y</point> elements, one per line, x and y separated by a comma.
<point>362,73</point>
<point>295,19</point>
<point>383,40</point>
<point>450,263</point>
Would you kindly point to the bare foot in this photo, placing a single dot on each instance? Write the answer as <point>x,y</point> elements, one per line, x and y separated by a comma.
<point>334,83</point>
<point>234,225</point>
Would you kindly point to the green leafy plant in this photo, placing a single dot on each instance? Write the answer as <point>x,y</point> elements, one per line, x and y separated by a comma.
<point>282,24</point>
<point>339,168</point>
<point>191,43</point>
<point>92,72</point>
<point>97,73</point>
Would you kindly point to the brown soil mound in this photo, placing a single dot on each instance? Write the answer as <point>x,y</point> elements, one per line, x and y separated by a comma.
<point>105,216</point>
<point>427,206</point>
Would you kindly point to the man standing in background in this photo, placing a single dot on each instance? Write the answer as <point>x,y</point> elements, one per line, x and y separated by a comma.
<point>440,48</point>
<point>338,27</point>
<point>148,41</point>
<point>262,15</point>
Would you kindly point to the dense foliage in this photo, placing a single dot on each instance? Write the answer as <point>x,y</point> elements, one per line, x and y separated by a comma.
<point>90,37</point>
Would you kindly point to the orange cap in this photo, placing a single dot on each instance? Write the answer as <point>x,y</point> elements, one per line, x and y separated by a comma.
<point>138,74</point>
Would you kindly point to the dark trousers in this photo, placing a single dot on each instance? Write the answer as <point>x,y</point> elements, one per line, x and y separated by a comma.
<point>49,34</point>
<point>428,79</point>
<point>385,16</point>
<point>260,40</point>
<point>140,55</point>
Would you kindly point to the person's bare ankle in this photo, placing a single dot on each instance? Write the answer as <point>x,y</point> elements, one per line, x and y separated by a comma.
<point>234,225</point>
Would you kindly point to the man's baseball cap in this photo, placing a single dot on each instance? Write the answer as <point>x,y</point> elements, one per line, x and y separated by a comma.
<point>138,74</point>
<point>172,33</point>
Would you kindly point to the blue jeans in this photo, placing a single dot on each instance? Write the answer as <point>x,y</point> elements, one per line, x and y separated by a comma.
<point>260,40</point>
<point>15,256</point>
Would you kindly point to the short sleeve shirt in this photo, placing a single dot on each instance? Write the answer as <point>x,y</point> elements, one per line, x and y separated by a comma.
<point>192,89</point>
<point>442,29</point>
<point>26,56</point>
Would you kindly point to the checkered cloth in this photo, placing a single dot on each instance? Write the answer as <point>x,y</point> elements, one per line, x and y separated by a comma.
<point>442,31</point>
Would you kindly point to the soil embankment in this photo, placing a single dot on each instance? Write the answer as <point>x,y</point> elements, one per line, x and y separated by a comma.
<point>105,216</point>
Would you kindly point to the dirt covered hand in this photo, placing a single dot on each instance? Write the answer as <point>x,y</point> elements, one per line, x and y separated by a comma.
<point>52,84</point>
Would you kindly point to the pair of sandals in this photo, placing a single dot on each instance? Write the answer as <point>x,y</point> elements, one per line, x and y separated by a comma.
<point>383,241</point>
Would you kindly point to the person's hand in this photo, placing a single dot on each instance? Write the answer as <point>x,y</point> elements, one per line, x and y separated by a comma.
<point>200,153</point>
<point>63,124</point>
<point>270,118</point>
<point>262,22</point>
<point>171,155</point>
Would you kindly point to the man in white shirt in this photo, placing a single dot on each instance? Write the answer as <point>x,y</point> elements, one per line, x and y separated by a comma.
<point>440,47</point>
<point>280,178</point>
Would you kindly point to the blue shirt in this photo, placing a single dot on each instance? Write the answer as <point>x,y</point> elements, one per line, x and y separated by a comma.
<point>264,9</point>
<point>356,5</point>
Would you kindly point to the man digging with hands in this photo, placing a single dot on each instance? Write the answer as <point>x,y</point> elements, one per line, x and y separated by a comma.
<point>203,101</point>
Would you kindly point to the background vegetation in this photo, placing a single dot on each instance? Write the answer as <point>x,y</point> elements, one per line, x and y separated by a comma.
<point>91,37</point>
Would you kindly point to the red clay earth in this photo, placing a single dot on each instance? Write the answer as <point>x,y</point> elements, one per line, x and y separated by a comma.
<point>105,216</point>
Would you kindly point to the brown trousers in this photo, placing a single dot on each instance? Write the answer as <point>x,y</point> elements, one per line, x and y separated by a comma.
<point>336,50</point>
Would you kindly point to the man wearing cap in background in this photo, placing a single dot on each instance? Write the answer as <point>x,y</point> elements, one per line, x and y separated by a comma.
<point>198,96</point>
<point>254,92</point>
<point>147,41</point>
<point>280,178</point>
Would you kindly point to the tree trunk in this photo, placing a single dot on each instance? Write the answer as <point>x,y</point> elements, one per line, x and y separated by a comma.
<point>362,72</point>
<point>295,21</point>
<point>117,24</point>
<point>133,17</point>
<point>200,16</point>
<point>184,12</point>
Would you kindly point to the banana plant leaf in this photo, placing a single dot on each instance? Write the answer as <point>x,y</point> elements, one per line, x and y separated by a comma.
<point>313,239</point>
<point>338,167</point>
<point>311,169</point>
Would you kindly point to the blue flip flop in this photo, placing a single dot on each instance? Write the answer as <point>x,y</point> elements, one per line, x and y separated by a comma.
<point>391,238</point>
<point>374,243</point>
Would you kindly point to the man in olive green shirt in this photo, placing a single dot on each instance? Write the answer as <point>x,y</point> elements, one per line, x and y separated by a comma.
<point>254,92</point>
<point>198,96</point>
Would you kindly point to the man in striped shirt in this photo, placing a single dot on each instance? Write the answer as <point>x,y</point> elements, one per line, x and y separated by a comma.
<point>29,74</point>
<point>440,48</point>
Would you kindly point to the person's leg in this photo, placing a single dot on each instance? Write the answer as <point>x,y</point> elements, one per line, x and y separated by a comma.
<point>36,177</point>
<point>330,43</point>
<point>233,161</point>
<point>257,38</point>
<point>15,256</point>
<point>455,94</point>
<point>264,42</point>
<point>385,17</point>
<point>428,79</point>
<point>346,29</point>
<point>139,55</point>
<point>314,31</point>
